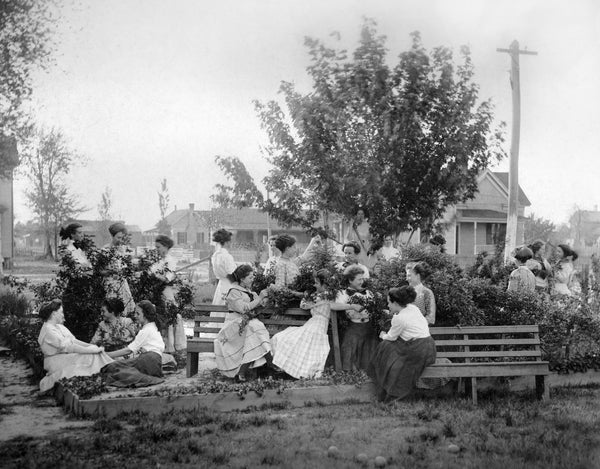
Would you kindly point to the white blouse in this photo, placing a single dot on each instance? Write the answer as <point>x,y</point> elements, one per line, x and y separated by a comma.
<point>223,263</point>
<point>149,339</point>
<point>409,323</point>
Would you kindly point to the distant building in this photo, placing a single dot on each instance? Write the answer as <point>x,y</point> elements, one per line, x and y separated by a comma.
<point>585,228</point>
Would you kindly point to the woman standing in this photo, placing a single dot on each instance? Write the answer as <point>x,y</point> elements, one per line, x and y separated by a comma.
<point>223,265</point>
<point>406,349</point>
<point>564,272</point>
<point>359,342</point>
<point>72,235</point>
<point>164,271</point>
<point>287,267</point>
<point>115,284</point>
<point>425,300</point>
<point>522,279</point>
<point>64,355</point>
<point>243,342</point>
<point>539,266</point>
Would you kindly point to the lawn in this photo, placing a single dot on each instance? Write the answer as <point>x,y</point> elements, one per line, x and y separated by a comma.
<point>504,431</point>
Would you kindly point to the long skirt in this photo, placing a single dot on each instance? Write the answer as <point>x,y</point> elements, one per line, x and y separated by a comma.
<point>232,349</point>
<point>358,346</point>
<point>143,370</point>
<point>302,351</point>
<point>398,365</point>
<point>67,365</point>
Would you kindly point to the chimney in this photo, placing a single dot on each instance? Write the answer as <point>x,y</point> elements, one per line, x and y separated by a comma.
<point>191,207</point>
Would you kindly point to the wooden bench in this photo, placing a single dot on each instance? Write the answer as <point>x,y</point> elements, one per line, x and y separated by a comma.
<point>488,351</point>
<point>204,324</point>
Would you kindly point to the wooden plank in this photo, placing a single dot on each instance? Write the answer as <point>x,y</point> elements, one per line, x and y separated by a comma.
<point>481,370</point>
<point>337,355</point>
<point>484,330</point>
<point>225,309</point>
<point>489,342</point>
<point>199,319</point>
<point>491,353</point>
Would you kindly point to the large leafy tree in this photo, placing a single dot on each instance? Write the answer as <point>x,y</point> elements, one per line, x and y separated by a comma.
<point>26,43</point>
<point>403,142</point>
<point>47,161</point>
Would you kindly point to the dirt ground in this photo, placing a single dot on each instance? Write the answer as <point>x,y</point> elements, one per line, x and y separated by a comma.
<point>22,410</point>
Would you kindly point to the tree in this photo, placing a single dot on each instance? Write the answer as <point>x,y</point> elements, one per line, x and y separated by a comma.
<point>403,143</point>
<point>538,228</point>
<point>163,205</point>
<point>47,161</point>
<point>26,43</point>
<point>105,205</point>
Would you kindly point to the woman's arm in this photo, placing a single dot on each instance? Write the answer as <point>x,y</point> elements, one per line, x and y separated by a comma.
<point>394,331</point>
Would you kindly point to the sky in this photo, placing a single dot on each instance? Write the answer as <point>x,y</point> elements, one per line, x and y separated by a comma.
<point>149,89</point>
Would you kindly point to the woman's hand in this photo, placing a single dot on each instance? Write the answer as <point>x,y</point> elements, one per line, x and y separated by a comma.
<point>356,307</point>
<point>382,335</point>
<point>263,294</point>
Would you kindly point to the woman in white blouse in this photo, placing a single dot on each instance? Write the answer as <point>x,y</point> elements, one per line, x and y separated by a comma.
<point>406,349</point>
<point>148,344</point>
<point>72,235</point>
<point>223,265</point>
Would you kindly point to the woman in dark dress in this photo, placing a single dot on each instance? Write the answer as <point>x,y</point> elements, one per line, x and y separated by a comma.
<point>406,349</point>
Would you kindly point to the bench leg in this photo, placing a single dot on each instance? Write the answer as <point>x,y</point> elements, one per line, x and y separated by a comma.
<point>191,368</point>
<point>542,388</point>
<point>474,390</point>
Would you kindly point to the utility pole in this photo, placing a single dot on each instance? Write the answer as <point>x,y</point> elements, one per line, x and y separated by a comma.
<point>513,175</point>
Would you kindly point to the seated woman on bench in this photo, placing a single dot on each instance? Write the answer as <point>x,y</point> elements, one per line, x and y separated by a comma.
<point>243,342</point>
<point>406,349</point>
<point>302,351</point>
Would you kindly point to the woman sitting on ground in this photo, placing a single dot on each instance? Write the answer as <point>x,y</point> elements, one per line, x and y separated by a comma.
<point>302,351</point>
<point>148,346</point>
<point>406,349</point>
<point>522,279</point>
<point>425,301</point>
<point>359,341</point>
<point>243,342</point>
<point>64,355</point>
<point>115,331</point>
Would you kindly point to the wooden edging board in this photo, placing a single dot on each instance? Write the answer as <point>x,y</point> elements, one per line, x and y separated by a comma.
<point>226,401</point>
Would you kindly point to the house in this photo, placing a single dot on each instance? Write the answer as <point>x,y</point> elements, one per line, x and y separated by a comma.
<point>585,228</point>
<point>480,223</point>
<point>193,228</point>
<point>10,159</point>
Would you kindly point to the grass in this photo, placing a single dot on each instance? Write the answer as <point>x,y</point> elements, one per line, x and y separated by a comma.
<point>513,431</point>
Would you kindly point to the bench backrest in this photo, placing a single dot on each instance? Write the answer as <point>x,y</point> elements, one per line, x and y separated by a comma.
<point>487,343</point>
<point>203,323</point>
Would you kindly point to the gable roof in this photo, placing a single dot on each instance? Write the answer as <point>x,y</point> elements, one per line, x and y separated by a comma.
<point>502,178</point>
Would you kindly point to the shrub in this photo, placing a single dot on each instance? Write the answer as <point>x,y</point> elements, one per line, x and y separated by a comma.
<point>13,303</point>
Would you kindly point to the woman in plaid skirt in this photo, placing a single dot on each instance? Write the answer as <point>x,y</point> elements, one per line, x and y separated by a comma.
<point>302,351</point>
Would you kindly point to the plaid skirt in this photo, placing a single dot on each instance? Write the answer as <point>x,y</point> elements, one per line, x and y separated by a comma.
<point>398,365</point>
<point>233,350</point>
<point>302,351</point>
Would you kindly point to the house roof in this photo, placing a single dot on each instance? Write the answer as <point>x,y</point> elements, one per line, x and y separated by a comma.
<point>482,214</point>
<point>250,219</point>
<point>503,179</point>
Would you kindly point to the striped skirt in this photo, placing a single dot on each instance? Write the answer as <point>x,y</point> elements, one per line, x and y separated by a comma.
<point>232,349</point>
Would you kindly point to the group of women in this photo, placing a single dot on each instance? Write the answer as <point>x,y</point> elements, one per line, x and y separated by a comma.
<point>117,335</point>
<point>535,273</point>
<point>395,360</point>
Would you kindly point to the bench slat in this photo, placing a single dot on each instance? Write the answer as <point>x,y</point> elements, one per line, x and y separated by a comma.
<point>225,309</point>
<point>488,342</point>
<point>491,353</point>
<point>481,370</point>
<point>484,330</point>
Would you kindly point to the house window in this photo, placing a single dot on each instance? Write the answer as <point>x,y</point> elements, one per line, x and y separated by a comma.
<point>181,238</point>
<point>199,238</point>
<point>494,233</point>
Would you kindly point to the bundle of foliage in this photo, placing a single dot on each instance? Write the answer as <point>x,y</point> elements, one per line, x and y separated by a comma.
<point>13,303</point>
<point>83,290</point>
<point>22,332</point>
<point>85,387</point>
<point>491,266</point>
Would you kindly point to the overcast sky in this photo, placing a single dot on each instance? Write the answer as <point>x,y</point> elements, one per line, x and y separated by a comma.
<point>151,89</point>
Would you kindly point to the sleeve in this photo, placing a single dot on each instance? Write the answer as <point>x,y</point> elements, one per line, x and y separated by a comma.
<point>138,342</point>
<point>394,332</point>
<point>223,264</point>
<point>430,306</point>
<point>280,274</point>
<point>237,301</point>
<point>61,343</point>
<point>513,281</point>
<point>97,335</point>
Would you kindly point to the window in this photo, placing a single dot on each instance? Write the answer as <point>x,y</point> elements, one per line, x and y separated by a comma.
<point>199,238</point>
<point>494,233</point>
<point>181,238</point>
